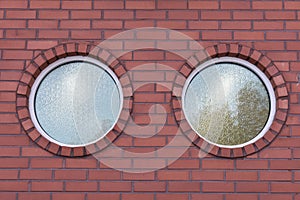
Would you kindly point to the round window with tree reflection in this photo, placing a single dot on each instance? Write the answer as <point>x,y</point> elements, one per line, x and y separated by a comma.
<point>229,102</point>
<point>75,101</point>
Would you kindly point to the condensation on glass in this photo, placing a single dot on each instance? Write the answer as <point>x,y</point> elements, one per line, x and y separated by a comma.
<point>229,102</point>
<point>75,102</point>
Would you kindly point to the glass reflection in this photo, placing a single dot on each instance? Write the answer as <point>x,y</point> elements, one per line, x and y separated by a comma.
<point>77,103</point>
<point>227,104</point>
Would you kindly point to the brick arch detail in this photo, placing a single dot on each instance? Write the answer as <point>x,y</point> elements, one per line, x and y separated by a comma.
<point>44,59</point>
<point>265,65</point>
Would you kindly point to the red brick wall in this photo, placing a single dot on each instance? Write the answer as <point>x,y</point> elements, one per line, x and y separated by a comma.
<point>29,28</point>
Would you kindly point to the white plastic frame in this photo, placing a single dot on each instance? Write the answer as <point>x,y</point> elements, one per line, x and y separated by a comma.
<point>254,69</point>
<point>51,67</point>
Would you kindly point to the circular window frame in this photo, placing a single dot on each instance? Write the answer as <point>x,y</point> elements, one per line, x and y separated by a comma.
<point>243,63</point>
<point>58,64</point>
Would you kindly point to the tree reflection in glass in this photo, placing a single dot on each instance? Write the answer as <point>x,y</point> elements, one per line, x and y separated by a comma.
<point>227,104</point>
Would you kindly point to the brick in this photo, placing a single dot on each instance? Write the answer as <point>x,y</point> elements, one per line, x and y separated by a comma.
<point>284,187</point>
<point>203,4</point>
<point>207,196</point>
<point>268,26</point>
<point>203,25</point>
<point>10,76</point>
<point>140,4</point>
<point>283,66</point>
<point>43,186</point>
<point>283,56</point>
<point>13,4</point>
<point>150,164</point>
<point>67,196</point>
<point>219,15</point>
<point>9,128</point>
<point>7,97</point>
<point>8,195</point>
<point>232,25</point>
<point>115,186</point>
<point>276,153</point>
<point>275,176</point>
<point>184,164</point>
<point>171,4</point>
<point>217,164</point>
<point>147,186</point>
<point>13,186</point>
<point>8,174</point>
<point>267,5</point>
<point>241,176</point>
<point>157,35</point>
<point>46,163</point>
<point>88,34</point>
<point>170,196</point>
<point>217,187</point>
<point>139,176</point>
<point>281,36</point>
<point>35,152</point>
<point>20,34</point>
<point>109,24</point>
<point>70,174</point>
<point>251,164</point>
<point>20,14</point>
<point>85,14</point>
<point>292,45</point>
<point>137,196</point>
<point>251,187</point>
<point>41,44</point>
<point>242,15</point>
<point>97,196</point>
<point>81,163</point>
<point>183,14</point>
<point>138,24</point>
<point>280,15</point>
<point>184,186</point>
<point>35,174</point>
<point>53,34</point>
<point>43,24</point>
<point>269,45</point>
<point>13,24</point>
<point>53,14</point>
<point>33,196</point>
<point>109,4</point>
<point>210,175</point>
<point>7,108</point>
<point>287,164</point>
<point>104,175</point>
<point>291,5</point>
<point>216,35</point>
<point>10,151</point>
<point>241,196</point>
<point>292,25</point>
<point>44,4</point>
<point>116,14</point>
<point>81,186</point>
<point>172,24</point>
<point>153,14</point>
<point>233,5</point>
<point>276,196</point>
<point>76,4</point>
<point>173,175</point>
<point>75,24</point>
<point>8,118</point>
<point>246,35</point>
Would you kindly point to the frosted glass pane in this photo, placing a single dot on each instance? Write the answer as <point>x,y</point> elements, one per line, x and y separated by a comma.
<point>227,104</point>
<point>77,103</point>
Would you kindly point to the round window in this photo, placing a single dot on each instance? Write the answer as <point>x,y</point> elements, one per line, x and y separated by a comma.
<point>229,102</point>
<point>75,101</point>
